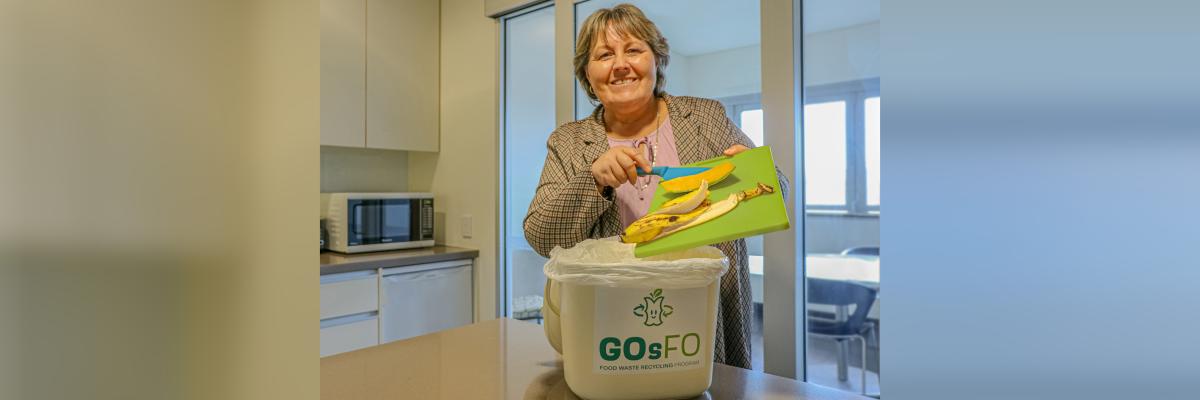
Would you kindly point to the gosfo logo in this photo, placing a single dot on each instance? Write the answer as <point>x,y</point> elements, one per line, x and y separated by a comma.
<point>653,309</point>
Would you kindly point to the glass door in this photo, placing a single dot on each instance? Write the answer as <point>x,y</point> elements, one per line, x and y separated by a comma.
<point>841,204</point>
<point>528,119</point>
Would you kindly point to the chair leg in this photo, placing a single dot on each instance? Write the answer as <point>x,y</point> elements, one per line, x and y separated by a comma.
<point>842,359</point>
<point>841,313</point>
<point>863,370</point>
<point>879,372</point>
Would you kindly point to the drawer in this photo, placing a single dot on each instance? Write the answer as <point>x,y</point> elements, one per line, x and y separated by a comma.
<point>357,333</point>
<point>349,293</point>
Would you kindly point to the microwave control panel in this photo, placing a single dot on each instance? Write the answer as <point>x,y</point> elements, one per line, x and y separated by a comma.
<point>426,219</point>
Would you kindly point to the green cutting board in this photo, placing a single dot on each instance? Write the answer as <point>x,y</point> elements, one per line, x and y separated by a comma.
<point>762,214</point>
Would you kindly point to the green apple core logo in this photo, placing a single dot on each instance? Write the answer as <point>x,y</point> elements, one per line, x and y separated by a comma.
<point>653,309</point>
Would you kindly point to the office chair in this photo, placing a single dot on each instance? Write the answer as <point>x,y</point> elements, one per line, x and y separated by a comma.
<point>842,294</point>
<point>861,251</point>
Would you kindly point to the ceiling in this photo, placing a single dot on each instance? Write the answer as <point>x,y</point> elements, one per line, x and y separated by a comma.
<point>697,27</point>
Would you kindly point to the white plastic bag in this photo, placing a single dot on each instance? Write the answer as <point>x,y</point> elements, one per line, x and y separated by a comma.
<point>608,262</point>
<point>633,328</point>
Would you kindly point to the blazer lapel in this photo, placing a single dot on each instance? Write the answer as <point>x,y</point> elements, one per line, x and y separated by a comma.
<point>691,145</point>
<point>592,140</point>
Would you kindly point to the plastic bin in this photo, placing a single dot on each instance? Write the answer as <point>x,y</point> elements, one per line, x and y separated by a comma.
<point>633,328</point>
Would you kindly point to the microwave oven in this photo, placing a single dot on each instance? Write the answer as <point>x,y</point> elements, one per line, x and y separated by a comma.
<point>362,222</point>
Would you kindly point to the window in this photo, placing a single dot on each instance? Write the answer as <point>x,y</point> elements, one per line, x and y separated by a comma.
<point>825,154</point>
<point>751,122</point>
<point>841,143</point>
<point>841,147</point>
<point>871,106</point>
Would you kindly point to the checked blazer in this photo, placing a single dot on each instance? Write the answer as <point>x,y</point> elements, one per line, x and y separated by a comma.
<point>567,208</point>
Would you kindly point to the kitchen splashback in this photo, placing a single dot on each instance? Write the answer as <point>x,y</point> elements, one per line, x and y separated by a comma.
<point>346,169</point>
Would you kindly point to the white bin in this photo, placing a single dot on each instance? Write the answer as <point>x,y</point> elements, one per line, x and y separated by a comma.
<point>634,328</point>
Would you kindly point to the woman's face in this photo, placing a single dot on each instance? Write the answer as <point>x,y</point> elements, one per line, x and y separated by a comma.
<point>621,70</point>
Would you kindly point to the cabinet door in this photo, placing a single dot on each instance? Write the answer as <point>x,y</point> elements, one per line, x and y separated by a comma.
<point>343,72</point>
<point>349,333</point>
<point>424,299</point>
<point>402,74</point>
<point>349,293</point>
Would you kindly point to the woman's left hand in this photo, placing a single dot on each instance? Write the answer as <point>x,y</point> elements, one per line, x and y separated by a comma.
<point>737,148</point>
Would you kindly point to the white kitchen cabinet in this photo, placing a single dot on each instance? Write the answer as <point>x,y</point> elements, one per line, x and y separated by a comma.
<point>349,293</point>
<point>420,299</point>
<point>402,74</point>
<point>343,72</point>
<point>339,335</point>
<point>349,311</point>
<point>379,74</point>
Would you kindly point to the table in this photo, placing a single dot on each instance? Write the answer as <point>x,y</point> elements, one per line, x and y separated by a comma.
<point>505,359</point>
<point>861,269</point>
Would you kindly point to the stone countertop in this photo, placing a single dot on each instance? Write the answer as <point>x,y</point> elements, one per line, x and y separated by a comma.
<point>505,359</point>
<point>334,263</point>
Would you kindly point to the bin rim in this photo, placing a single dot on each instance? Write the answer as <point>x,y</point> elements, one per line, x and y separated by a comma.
<point>696,267</point>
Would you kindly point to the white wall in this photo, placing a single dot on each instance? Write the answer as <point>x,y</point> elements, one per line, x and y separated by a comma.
<point>462,175</point>
<point>842,55</point>
<point>732,72</point>
<point>832,56</point>
<point>678,70</point>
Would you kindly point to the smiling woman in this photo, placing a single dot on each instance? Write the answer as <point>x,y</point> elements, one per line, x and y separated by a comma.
<point>615,55</point>
<point>589,186</point>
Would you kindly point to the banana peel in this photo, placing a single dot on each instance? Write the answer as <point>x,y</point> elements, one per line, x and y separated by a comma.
<point>721,208</point>
<point>650,226</point>
<point>686,203</point>
<point>657,226</point>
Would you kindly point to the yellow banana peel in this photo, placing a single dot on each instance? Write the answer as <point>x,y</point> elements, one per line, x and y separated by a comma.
<point>655,226</point>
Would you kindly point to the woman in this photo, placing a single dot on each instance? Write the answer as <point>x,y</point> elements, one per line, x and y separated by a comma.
<point>589,186</point>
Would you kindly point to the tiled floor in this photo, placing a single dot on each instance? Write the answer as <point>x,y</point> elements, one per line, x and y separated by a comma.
<point>822,362</point>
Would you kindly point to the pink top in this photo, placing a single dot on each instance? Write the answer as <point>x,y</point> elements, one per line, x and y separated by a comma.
<point>633,202</point>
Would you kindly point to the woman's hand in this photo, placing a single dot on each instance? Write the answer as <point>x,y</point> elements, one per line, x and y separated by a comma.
<point>737,148</point>
<point>617,166</point>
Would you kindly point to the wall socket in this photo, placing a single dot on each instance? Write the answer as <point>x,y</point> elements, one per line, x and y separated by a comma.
<point>465,226</point>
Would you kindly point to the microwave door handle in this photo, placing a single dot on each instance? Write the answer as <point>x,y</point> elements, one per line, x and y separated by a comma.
<point>372,224</point>
<point>364,224</point>
<point>356,215</point>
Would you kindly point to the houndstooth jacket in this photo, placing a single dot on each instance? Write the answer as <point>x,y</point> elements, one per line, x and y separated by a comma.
<point>567,208</point>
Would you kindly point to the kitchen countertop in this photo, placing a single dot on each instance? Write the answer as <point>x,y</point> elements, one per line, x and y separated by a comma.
<point>334,263</point>
<point>505,359</point>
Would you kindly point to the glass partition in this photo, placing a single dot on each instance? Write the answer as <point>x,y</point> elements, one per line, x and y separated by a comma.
<point>842,173</point>
<point>528,119</point>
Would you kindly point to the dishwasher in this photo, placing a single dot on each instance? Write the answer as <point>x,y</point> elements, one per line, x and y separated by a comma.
<point>425,298</point>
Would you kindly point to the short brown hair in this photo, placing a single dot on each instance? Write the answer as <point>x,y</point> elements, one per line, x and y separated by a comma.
<point>626,20</point>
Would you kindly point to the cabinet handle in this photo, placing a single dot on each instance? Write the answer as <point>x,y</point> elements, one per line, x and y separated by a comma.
<point>346,276</point>
<point>425,267</point>
<point>349,319</point>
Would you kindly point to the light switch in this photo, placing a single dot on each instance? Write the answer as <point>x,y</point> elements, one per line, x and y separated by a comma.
<point>466,226</point>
